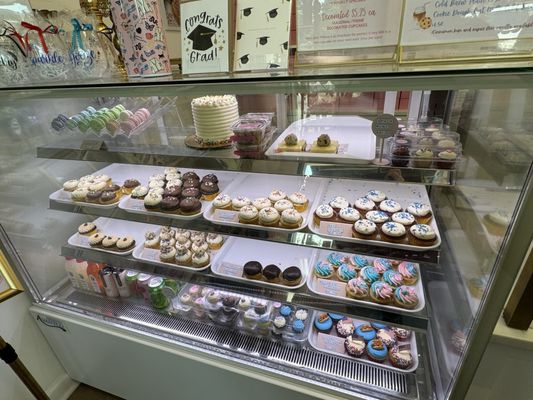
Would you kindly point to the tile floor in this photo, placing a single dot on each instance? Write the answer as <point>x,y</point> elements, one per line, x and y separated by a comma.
<point>84,392</point>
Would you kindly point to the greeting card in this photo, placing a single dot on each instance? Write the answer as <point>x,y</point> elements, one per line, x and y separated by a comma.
<point>204,36</point>
<point>262,34</point>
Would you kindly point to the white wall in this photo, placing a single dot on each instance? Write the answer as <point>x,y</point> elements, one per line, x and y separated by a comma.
<point>18,328</point>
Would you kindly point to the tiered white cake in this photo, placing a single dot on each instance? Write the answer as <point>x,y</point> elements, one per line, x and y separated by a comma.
<point>213,117</point>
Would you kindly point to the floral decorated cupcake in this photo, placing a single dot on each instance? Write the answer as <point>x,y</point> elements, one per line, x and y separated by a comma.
<point>357,289</point>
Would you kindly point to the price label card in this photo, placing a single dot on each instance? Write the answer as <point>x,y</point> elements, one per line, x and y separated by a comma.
<point>226,216</point>
<point>333,288</point>
<point>150,254</point>
<point>83,240</point>
<point>136,205</point>
<point>330,343</point>
<point>230,269</point>
<point>343,148</point>
<point>347,24</point>
<point>335,229</point>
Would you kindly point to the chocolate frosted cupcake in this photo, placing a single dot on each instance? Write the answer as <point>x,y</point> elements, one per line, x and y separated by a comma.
<point>191,192</point>
<point>272,273</point>
<point>170,204</point>
<point>253,270</point>
<point>190,206</point>
<point>291,276</point>
<point>172,191</point>
<point>210,178</point>
<point>129,185</point>
<point>209,190</point>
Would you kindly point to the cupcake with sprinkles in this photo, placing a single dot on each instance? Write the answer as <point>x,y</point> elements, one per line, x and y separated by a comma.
<point>405,297</point>
<point>403,218</point>
<point>357,289</point>
<point>377,350</point>
<point>369,274</point>
<point>393,278</point>
<point>401,334</point>
<point>378,217</point>
<point>363,205</point>
<point>382,265</point>
<point>349,215</point>
<point>355,346</point>
<point>390,206</point>
<point>365,331</point>
<point>409,272</point>
<point>377,196</point>
<point>323,212</point>
<point>401,357</point>
<point>393,232</point>
<point>387,336</point>
<point>338,203</point>
<point>421,212</point>
<point>358,261</point>
<point>422,235</point>
<point>323,270</point>
<point>365,229</point>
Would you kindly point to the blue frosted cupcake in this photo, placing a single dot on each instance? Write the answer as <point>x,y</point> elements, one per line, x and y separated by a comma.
<point>358,261</point>
<point>378,325</point>
<point>377,351</point>
<point>336,317</point>
<point>393,278</point>
<point>323,323</point>
<point>365,331</point>
<point>298,326</point>
<point>335,259</point>
<point>346,272</point>
<point>369,274</point>
<point>323,270</point>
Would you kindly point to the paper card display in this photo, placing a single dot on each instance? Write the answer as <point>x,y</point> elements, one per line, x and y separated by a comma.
<point>334,288</point>
<point>331,343</point>
<point>204,36</point>
<point>335,228</point>
<point>347,24</point>
<point>262,34</point>
<point>452,21</point>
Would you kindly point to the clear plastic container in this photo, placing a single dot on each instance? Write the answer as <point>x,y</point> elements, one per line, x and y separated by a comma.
<point>249,131</point>
<point>294,319</point>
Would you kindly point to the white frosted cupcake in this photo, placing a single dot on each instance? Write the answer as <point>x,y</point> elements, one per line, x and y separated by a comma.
<point>364,229</point>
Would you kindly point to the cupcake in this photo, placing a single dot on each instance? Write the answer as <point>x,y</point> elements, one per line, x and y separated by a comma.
<point>358,261</point>
<point>271,273</point>
<point>377,350</point>
<point>222,202</point>
<point>269,216</point>
<point>298,326</point>
<point>446,159</point>
<point>393,278</point>
<point>349,215</point>
<point>261,202</point>
<point>152,201</point>
<point>346,272</point>
<point>345,327</point>
<point>282,205</point>
<point>377,196</point>
<point>239,202</point>
<point>382,264</point>
<point>404,218</point>
<point>354,346</point>
<point>422,235</point>
<point>244,303</point>
<point>277,195</point>
<point>335,317</point>
<point>400,357</point>
<point>365,331</point>
<point>70,185</point>
<point>363,205</point>
<point>390,206</point>
<point>393,232</point>
<point>400,156</point>
<point>253,270</point>
<point>401,334</point>
<point>183,255</point>
<point>387,336</point>
<point>369,274</point>
<point>409,272</point>
<point>299,200</point>
<point>405,297</point>
<point>381,292</point>
<point>323,323</point>
<point>421,212</point>
<point>338,203</point>
<point>364,229</point>
<point>323,270</point>
<point>139,192</point>
<point>248,215</point>
<point>323,212</point>
<point>422,158</point>
<point>209,190</point>
<point>87,229</point>
<point>335,259</point>
<point>291,276</point>
<point>279,325</point>
<point>290,219</point>
<point>301,314</point>
<point>357,289</point>
<point>377,217</point>
<point>129,185</point>
<point>167,254</point>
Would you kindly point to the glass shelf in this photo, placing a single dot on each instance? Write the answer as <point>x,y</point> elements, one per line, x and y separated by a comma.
<point>301,296</point>
<point>179,155</point>
<point>301,238</point>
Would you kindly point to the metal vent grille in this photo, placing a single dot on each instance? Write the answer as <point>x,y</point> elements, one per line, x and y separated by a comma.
<point>315,367</point>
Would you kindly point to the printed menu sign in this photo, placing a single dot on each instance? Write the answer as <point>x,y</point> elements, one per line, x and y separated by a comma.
<point>347,24</point>
<point>204,36</point>
<point>451,21</point>
<point>262,34</point>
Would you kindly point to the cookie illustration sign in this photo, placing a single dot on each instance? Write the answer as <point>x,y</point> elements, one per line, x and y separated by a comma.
<point>452,21</point>
<point>347,24</point>
<point>204,36</point>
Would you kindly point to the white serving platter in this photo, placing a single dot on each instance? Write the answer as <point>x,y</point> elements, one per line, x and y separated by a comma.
<point>152,255</point>
<point>238,251</point>
<point>136,206</point>
<point>335,289</point>
<point>357,142</point>
<point>353,189</point>
<point>335,345</point>
<point>260,185</point>
<point>113,227</point>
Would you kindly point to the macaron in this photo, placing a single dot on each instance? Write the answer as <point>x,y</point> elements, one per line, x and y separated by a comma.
<point>120,108</point>
<point>97,124</point>
<point>144,112</point>
<point>83,125</point>
<point>90,110</point>
<point>125,115</point>
<point>57,124</point>
<point>112,126</point>
<point>85,114</point>
<point>127,126</point>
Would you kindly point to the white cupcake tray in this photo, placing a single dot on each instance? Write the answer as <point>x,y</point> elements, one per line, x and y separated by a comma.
<point>334,288</point>
<point>334,344</point>
<point>236,252</point>
<point>352,190</point>
<point>152,255</point>
<point>260,185</point>
<point>115,171</point>
<point>136,206</point>
<point>357,142</point>
<point>114,227</point>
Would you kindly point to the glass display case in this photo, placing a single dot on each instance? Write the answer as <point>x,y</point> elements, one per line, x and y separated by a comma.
<point>268,241</point>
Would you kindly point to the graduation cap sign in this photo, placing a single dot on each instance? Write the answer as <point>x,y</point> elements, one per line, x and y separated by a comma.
<point>244,59</point>
<point>240,35</point>
<point>272,13</point>
<point>263,40</point>
<point>246,11</point>
<point>201,37</point>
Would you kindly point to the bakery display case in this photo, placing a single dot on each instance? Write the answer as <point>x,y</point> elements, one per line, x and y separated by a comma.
<point>255,224</point>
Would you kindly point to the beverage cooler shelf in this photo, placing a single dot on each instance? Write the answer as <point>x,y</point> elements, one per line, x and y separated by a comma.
<point>301,296</point>
<point>339,376</point>
<point>302,238</point>
<point>179,155</point>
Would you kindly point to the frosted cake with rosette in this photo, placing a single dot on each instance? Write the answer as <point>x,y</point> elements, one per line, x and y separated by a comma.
<point>213,117</point>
